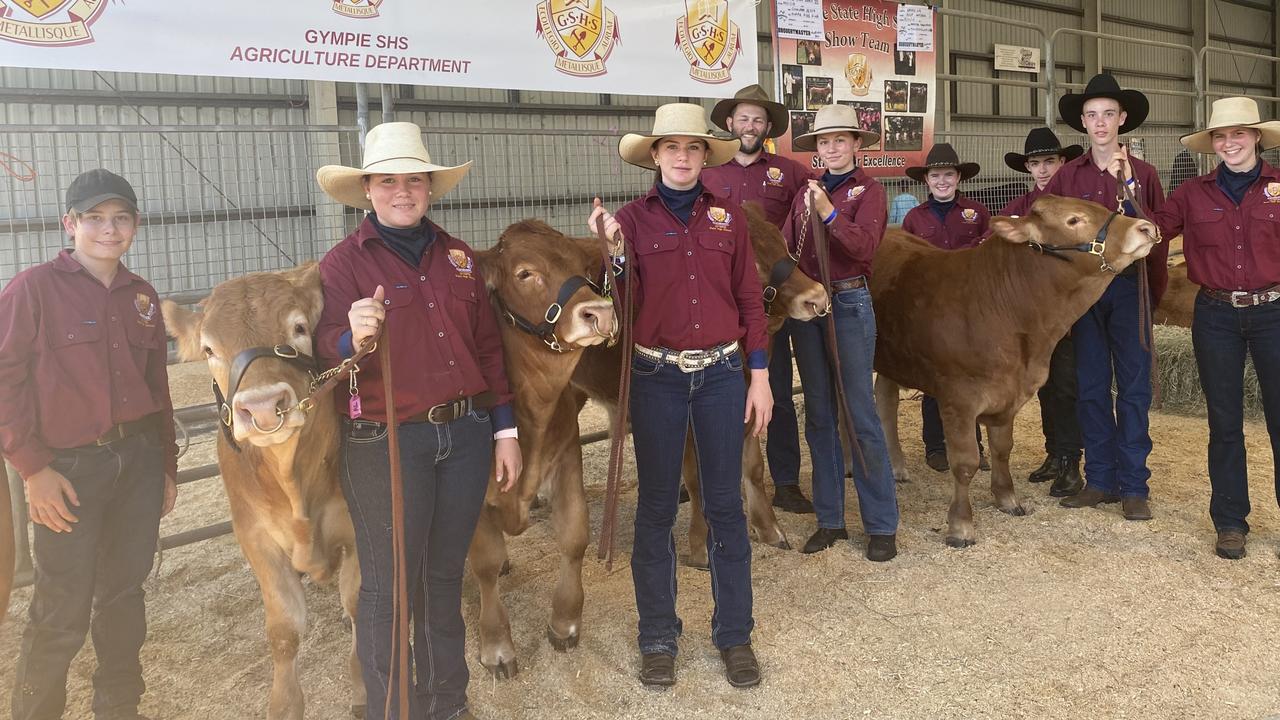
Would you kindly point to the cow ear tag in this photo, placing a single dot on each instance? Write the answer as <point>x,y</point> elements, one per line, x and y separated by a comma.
<point>353,406</point>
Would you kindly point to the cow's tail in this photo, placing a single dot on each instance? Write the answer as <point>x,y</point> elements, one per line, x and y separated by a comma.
<point>7,553</point>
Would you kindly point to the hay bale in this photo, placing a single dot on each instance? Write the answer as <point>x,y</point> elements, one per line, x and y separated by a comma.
<point>1180,379</point>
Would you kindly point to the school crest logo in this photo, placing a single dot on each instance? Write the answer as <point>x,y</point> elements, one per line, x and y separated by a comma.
<point>146,309</point>
<point>709,40</point>
<point>461,261</point>
<point>773,176</point>
<point>719,217</point>
<point>855,192</point>
<point>580,32</point>
<point>1272,192</point>
<point>357,8</point>
<point>969,215</point>
<point>49,23</point>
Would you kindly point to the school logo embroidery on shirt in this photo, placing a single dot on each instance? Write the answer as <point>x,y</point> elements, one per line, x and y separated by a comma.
<point>773,176</point>
<point>969,215</point>
<point>461,262</point>
<point>719,217</point>
<point>855,192</point>
<point>146,309</point>
<point>1272,192</point>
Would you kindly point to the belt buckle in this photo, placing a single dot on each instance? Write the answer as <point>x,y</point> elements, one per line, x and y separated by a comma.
<point>110,436</point>
<point>686,362</point>
<point>431,414</point>
<point>1239,295</point>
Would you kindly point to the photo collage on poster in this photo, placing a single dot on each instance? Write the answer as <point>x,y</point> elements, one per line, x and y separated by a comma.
<point>858,64</point>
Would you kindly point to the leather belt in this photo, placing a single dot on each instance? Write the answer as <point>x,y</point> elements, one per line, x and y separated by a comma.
<point>853,283</point>
<point>689,360</point>
<point>126,429</point>
<point>1244,298</point>
<point>454,409</point>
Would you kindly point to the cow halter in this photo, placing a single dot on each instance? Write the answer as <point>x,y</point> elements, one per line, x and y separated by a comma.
<point>240,364</point>
<point>546,330</point>
<point>1096,247</point>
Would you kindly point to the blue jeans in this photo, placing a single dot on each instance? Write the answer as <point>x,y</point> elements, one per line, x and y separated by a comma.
<point>782,446</point>
<point>445,469</point>
<point>95,571</point>
<point>1116,437</point>
<point>1221,335</point>
<point>665,402</point>
<point>856,342</point>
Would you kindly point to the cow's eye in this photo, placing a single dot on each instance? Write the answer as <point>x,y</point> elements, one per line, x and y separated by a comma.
<point>299,329</point>
<point>1073,221</point>
<point>523,274</point>
<point>208,351</point>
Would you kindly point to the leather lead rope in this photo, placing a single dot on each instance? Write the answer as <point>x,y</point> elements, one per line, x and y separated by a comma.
<point>400,601</point>
<point>1146,328</point>
<point>823,250</point>
<point>624,308</point>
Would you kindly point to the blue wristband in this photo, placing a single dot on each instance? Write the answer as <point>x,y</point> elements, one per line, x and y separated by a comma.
<point>827,220</point>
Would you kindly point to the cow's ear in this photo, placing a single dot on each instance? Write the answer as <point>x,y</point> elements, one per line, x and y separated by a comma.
<point>183,326</point>
<point>306,278</point>
<point>489,265</point>
<point>1012,229</point>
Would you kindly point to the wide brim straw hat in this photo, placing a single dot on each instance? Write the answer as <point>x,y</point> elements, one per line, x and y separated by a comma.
<point>1040,141</point>
<point>942,155</point>
<point>830,119</point>
<point>394,148</point>
<point>1233,112</point>
<point>676,120</point>
<point>1104,85</point>
<point>752,95</point>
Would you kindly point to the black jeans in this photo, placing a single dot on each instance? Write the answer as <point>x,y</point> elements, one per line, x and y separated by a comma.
<point>782,445</point>
<point>1058,403</point>
<point>935,440</point>
<point>90,579</point>
<point>445,469</point>
<point>1221,335</point>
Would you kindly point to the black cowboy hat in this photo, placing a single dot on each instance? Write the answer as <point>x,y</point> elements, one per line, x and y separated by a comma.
<point>1134,103</point>
<point>752,95</point>
<point>1040,141</point>
<point>943,155</point>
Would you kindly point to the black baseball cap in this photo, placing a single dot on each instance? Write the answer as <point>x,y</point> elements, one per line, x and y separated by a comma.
<point>98,186</point>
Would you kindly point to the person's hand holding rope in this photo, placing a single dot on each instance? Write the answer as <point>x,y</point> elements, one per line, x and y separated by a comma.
<point>611,228</point>
<point>366,316</point>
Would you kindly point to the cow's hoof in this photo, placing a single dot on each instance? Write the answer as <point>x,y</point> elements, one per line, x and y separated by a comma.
<point>697,563</point>
<point>957,542</point>
<point>783,544</point>
<point>562,644</point>
<point>357,711</point>
<point>505,669</point>
<point>1016,511</point>
<point>505,570</point>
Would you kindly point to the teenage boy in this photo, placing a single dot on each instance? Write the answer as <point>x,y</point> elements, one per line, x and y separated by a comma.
<point>950,221</point>
<point>86,419</point>
<point>1041,157</point>
<point>772,182</point>
<point>1108,338</point>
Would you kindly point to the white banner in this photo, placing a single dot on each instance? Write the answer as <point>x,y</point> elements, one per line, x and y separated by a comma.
<point>694,48</point>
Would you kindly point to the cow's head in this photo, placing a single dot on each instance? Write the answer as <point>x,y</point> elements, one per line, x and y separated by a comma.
<point>546,284</point>
<point>260,310</point>
<point>794,294</point>
<point>1080,231</point>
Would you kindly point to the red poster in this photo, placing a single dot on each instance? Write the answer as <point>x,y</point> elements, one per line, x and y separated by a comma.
<point>858,64</point>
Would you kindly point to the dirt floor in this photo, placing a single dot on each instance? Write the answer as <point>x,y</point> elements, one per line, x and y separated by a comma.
<point>1061,614</point>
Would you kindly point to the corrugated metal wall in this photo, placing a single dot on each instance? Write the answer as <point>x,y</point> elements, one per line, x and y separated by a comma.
<point>228,185</point>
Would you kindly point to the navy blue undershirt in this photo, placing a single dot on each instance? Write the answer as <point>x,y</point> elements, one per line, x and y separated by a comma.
<point>831,182</point>
<point>680,202</point>
<point>941,208</point>
<point>409,243</point>
<point>1234,185</point>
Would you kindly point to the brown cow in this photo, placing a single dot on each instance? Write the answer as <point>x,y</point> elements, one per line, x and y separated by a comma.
<point>287,507</point>
<point>1178,305</point>
<point>547,409</point>
<point>525,272</point>
<point>975,327</point>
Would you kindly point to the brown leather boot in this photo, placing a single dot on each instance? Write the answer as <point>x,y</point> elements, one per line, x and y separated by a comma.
<point>740,666</point>
<point>1135,508</point>
<point>1230,545</point>
<point>658,669</point>
<point>1088,497</point>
